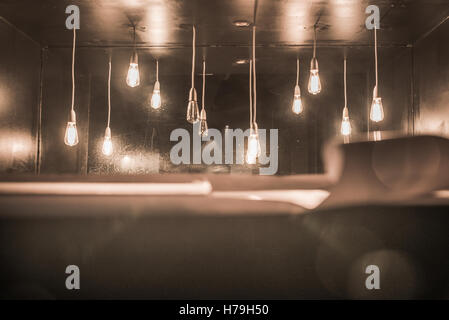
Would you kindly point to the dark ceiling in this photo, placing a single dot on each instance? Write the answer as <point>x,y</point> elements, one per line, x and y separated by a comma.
<point>165,23</point>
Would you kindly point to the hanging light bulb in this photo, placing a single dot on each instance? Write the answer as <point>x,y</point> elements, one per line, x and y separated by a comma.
<point>192,106</point>
<point>203,119</point>
<point>297,103</point>
<point>377,110</point>
<point>253,142</point>
<point>71,133</point>
<point>253,151</point>
<point>133,77</point>
<point>107,143</point>
<point>314,86</point>
<point>203,124</point>
<point>314,80</point>
<point>345,124</point>
<point>156,97</point>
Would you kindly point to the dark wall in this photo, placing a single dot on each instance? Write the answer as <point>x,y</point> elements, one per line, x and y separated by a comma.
<point>142,133</point>
<point>431,82</point>
<point>19,100</point>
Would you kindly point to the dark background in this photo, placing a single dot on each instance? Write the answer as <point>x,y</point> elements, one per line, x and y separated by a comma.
<point>35,81</point>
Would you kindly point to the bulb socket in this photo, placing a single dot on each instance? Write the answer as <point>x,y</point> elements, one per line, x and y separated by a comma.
<point>314,64</point>
<point>192,95</point>
<point>72,116</point>
<point>107,133</point>
<point>375,92</point>
<point>157,86</point>
<point>134,58</point>
<point>297,91</point>
<point>255,129</point>
<point>203,114</point>
<point>345,113</point>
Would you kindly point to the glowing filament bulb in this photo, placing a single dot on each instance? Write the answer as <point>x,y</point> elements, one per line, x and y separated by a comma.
<point>107,143</point>
<point>314,82</point>
<point>253,151</point>
<point>156,98</point>
<point>71,133</point>
<point>192,107</point>
<point>314,79</point>
<point>133,77</point>
<point>203,124</point>
<point>345,124</point>
<point>377,110</point>
<point>297,103</point>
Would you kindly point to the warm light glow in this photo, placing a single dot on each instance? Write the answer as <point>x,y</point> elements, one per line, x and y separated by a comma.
<point>126,162</point>
<point>253,148</point>
<point>345,127</point>
<point>96,188</point>
<point>377,135</point>
<point>158,17</point>
<point>107,146</point>
<point>250,158</point>
<point>314,82</point>
<point>133,78</point>
<point>71,134</point>
<point>309,199</point>
<point>345,123</point>
<point>297,105</point>
<point>18,147</point>
<point>377,110</point>
<point>156,99</point>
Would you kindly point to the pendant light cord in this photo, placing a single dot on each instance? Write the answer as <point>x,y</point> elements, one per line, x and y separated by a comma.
<point>73,68</point>
<point>204,83</point>
<point>346,94</point>
<point>134,37</point>
<point>375,54</point>
<point>193,56</point>
<point>297,71</point>
<point>250,94</point>
<point>109,93</point>
<point>314,41</point>
<point>157,70</point>
<point>254,73</point>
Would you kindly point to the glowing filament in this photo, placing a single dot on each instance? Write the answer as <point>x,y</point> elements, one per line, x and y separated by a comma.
<point>314,82</point>
<point>133,78</point>
<point>71,134</point>
<point>377,110</point>
<point>156,99</point>
<point>253,151</point>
